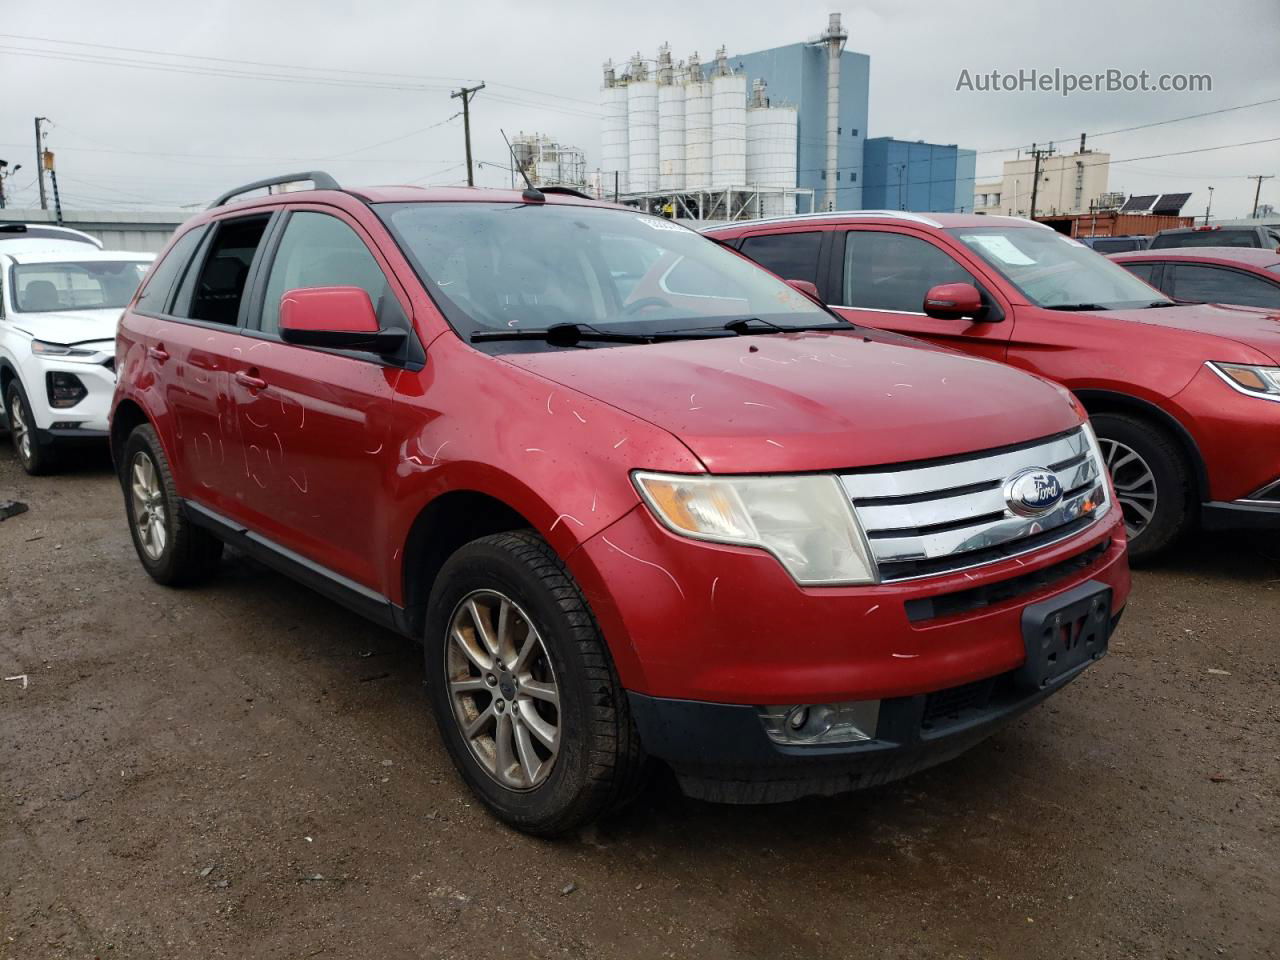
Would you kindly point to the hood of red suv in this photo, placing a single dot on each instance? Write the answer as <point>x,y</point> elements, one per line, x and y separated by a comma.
<point>813,401</point>
<point>1252,326</point>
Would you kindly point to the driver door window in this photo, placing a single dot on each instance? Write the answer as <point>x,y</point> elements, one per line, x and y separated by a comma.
<point>884,279</point>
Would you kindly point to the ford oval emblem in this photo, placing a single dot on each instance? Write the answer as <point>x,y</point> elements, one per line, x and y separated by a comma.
<point>1033,492</point>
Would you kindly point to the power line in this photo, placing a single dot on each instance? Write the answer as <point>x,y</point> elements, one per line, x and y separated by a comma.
<point>330,71</point>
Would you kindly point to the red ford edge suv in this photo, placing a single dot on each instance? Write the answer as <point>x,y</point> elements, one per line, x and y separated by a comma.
<point>1183,398</point>
<point>639,499</point>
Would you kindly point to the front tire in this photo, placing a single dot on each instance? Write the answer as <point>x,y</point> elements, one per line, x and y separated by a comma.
<point>1154,482</point>
<point>523,688</point>
<point>36,458</point>
<point>173,551</point>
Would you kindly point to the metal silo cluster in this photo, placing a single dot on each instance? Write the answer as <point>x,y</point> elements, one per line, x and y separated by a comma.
<point>681,127</point>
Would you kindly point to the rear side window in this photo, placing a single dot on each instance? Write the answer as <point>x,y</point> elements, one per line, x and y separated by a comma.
<point>218,288</point>
<point>792,256</point>
<point>159,283</point>
<point>318,250</point>
<point>893,271</point>
<point>1203,284</point>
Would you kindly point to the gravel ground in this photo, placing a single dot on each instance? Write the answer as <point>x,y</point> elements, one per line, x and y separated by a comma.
<point>246,770</point>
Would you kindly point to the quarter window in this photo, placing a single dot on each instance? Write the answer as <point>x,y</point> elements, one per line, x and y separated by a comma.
<point>159,283</point>
<point>1203,284</point>
<point>792,256</point>
<point>894,271</point>
<point>318,250</point>
<point>1143,271</point>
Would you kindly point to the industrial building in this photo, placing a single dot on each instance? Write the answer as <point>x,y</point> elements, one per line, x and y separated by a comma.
<point>137,231</point>
<point>914,175</point>
<point>1070,183</point>
<point>549,163</point>
<point>757,134</point>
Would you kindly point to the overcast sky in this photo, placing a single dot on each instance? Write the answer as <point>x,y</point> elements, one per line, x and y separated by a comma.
<point>126,133</point>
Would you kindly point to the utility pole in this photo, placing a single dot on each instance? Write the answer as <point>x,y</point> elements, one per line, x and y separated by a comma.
<point>1208,207</point>
<point>44,200</point>
<point>1257,193</point>
<point>1039,153</point>
<point>466,93</point>
<point>5,174</point>
<point>53,179</point>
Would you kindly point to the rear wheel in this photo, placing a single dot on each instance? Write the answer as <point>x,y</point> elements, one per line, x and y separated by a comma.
<point>523,688</point>
<point>173,551</point>
<point>35,458</point>
<point>1153,482</point>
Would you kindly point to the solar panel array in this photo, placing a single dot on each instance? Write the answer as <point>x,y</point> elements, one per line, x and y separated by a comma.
<point>1142,204</point>
<point>1171,204</point>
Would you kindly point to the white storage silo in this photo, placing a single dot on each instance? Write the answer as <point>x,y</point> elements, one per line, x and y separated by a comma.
<point>697,128</point>
<point>642,128</point>
<point>615,150</point>
<point>771,151</point>
<point>671,165</point>
<point>728,127</point>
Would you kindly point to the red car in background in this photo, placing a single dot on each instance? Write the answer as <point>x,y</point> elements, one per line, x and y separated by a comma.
<point>1233,275</point>
<point>1185,399</point>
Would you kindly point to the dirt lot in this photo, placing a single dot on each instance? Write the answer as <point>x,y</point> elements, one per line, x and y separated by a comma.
<point>246,770</point>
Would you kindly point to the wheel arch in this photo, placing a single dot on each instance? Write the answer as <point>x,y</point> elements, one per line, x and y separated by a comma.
<point>127,417</point>
<point>445,523</point>
<point>1110,401</point>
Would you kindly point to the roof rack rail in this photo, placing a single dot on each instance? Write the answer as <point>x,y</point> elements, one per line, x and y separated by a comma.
<point>321,180</point>
<point>565,192</point>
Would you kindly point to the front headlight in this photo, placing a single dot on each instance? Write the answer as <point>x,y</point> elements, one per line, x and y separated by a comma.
<point>61,351</point>
<point>807,522</point>
<point>1260,381</point>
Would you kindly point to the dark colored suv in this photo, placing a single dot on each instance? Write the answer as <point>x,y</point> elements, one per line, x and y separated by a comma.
<point>1261,237</point>
<point>639,499</point>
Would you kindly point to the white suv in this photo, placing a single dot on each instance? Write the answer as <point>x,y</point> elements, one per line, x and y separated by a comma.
<point>60,299</point>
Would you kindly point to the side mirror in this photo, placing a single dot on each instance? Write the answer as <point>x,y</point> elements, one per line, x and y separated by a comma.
<point>339,317</point>
<point>953,301</point>
<point>808,289</point>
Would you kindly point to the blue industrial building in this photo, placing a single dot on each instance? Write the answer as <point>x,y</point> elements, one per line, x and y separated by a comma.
<point>914,175</point>
<point>797,74</point>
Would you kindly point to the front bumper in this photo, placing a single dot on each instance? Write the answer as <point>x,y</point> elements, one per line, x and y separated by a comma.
<point>722,752</point>
<point>688,620</point>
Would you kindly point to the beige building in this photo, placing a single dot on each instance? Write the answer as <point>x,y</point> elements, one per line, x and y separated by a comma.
<point>1069,183</point>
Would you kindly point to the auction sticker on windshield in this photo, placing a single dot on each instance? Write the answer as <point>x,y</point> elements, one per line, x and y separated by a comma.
<point>1001,248</point>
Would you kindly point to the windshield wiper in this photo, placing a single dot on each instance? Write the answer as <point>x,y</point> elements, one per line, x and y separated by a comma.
<point>743,326</point>
<point>1075,306</point>
<point>571,334</point>
<point>1155,304</point>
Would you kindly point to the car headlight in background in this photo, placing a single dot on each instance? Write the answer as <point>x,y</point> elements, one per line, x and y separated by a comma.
<point>807,521</point>
<point>61,351</point>
<point>1247,378</point>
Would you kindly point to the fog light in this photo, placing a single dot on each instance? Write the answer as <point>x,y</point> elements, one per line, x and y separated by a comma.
<point>65,389</point>
<point>821,723</point>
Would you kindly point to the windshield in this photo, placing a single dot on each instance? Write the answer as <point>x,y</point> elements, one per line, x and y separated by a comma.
<point>513,267</point>
<point>75,285</point>
<point>1052,270</point>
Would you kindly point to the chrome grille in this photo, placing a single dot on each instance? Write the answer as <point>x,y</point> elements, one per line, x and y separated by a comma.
<point>943,516</point>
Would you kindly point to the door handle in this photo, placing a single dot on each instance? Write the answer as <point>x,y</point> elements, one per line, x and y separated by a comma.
<point>158,353</point>
<point>249,381</point>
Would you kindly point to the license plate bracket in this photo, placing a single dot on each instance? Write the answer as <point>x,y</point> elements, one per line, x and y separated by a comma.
<point>1064,633</point>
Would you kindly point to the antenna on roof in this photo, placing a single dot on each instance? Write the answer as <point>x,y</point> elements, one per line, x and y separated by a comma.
<point>531,192</point>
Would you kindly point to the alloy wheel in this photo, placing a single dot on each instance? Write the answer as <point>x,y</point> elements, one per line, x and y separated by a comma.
<point>18,427</point>
<point>149,516</point>
<point>503,690</point>
<point>1135,484</point>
